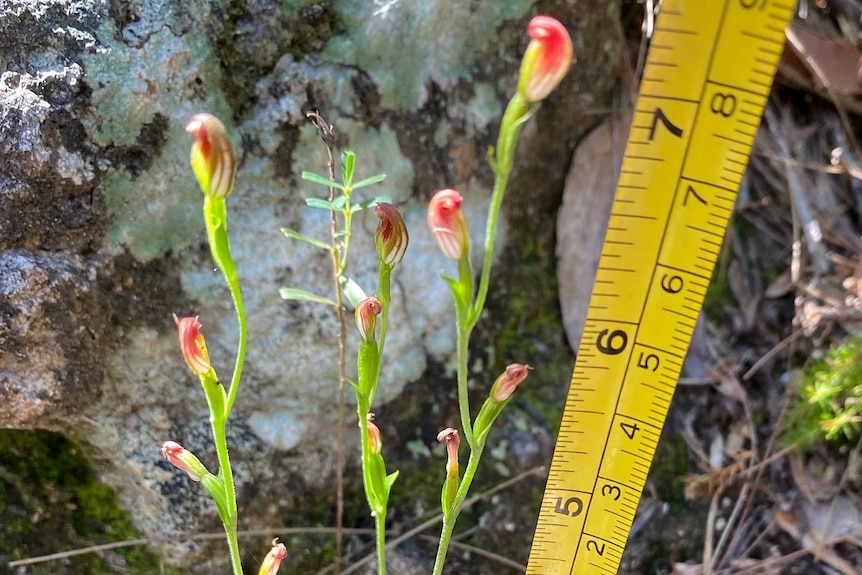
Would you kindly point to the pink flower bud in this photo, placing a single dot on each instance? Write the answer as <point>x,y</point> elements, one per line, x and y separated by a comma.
<point>391,238</point>
<point>546,60</point>
<point>193,345</point>
<point>447,223</point>
<point>273,559</point>
<point>213,158</point>
<point>183,460</point>
<point>366,317</point>
<point>375,441</point>
<point>508,381</point>
<point>450,437</point>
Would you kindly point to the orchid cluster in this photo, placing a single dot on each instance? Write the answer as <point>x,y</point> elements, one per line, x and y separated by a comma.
<point>546,61</point>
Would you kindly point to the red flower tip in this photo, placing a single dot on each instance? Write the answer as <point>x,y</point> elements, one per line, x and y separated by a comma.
<point>447,223</point>
<point>450,437</point>
<point>213,158</point>
<point>391,238</point>
<point>509,380</point>
<point>546,60</point>
<point>184,460</point>
<point>273,559</point>
<point>192,344</point>
<point>366,317</point>
<point>375,441</point>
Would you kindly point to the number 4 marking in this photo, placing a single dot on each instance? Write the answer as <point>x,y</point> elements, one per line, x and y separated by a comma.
<point>629,429</point>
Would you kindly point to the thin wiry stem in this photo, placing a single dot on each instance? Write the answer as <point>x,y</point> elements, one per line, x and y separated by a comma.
<point>325,132</point>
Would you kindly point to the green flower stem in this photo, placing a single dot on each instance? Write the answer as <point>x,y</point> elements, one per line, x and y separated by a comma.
<point>384,296</point>
<point>450,518</point>
<point>468,309</point>
<point>380,528</point>
<point>216,398</point>
<point>517,112</point>
<point>348,218</point>
<point>462,343</point>
<point>215,216</point>
<point>377,506</point>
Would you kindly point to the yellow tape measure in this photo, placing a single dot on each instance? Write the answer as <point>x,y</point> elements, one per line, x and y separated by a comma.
<point>708,74</point>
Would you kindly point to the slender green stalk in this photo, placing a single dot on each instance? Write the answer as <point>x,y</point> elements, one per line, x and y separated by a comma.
<point>215,216</point>
<point>468,308</point>
<point>517,112</point>
<point>450,518</point>
<point>462,343</point>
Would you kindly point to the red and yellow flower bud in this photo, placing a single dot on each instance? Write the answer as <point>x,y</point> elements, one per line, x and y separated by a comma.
<point>449,436</point>
<point>508,381</point>
<point>449,492</point>
<point>193,345</point>
<point>546,60</point>
<point>391,238</point>
<point>273,559</point>
<point>448,225</point>
<point>375,441</point>
<point>366,317</point>
<point>213,158</point>
<point>184,460</point>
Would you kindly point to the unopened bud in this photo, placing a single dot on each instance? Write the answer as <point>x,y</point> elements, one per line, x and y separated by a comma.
<point>184,460</point>
<point>213,158</point>
<point>375,442</point>
<point>273,559</point>
<point>366,317</point>
<point>447,223</point>
<point>192,344</point>
<point>546,60</point>
<point>391,238</point>
<point>508,381</point>
<point>449,436</point>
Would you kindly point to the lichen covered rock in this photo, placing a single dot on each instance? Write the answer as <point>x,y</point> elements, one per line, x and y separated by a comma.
<point>101,234</point>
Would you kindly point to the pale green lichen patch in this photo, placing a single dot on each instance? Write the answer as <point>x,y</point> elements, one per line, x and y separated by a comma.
<point>404,46</point>
<point>154,211</point>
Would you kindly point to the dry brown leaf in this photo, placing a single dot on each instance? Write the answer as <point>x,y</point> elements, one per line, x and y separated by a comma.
<point>837,518</point>
<point>815,477</point>
<point>729,385</point>
<point>812,543</point>
<point>831,63</point>
<point>780,286</point>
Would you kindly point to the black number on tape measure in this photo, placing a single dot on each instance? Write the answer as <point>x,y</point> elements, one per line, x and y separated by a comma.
<point>748,4</point>
<point>565,508</point>
<point>612,342</point>
<point>599,548</point>
<point>648,361</point>
<point>671,284</point>
<point>629,429</point>
<point>691,192</point>
<point>723,104</point>
<point>611,491</point>
<point>658,116</point>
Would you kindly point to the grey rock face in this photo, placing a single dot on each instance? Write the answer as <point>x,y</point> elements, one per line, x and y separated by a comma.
<point>101,234</point>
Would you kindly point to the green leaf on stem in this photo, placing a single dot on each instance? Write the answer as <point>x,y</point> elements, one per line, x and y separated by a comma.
<point>340,203</point>
<point>369,181</point>
<point>319,203</point>
<point>215,487</point>
<point>322,180</point>
<point>390,479</point>
<point>368,203</point>
<point>348,162</point>
<point>295,235</point>
<point>351,290</point>
<point>297,294</point>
